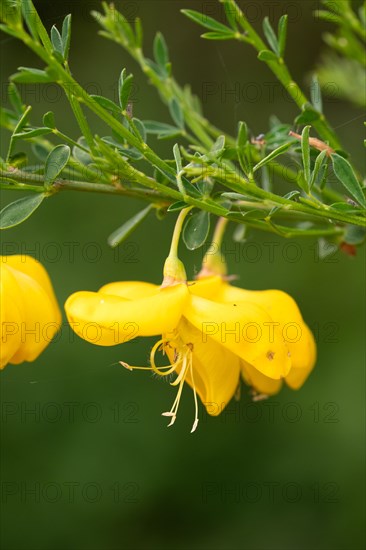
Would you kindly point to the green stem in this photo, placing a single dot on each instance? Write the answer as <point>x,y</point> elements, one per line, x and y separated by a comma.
<point>282,73</point>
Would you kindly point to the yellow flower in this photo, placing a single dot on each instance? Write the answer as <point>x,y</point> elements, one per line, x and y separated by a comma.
<point>30,315</point>
<point>287,321</point>
<point>211,332</point>
<point>206,341</point>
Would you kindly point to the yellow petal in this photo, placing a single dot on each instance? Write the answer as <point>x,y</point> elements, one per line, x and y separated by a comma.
<point>297,375</point>
<point>216,370</point>
<point>208,287</point>
<point>11,316</point>
<point>37,319</point>
<point>108,319</point>
<point>244,329</point>
<point>258,381</point>
<point>34,269</point>
<point>278,304</point>
<point>130,290</point>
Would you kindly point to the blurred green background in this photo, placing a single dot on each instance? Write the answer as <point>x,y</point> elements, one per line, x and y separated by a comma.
<point>94,467</point>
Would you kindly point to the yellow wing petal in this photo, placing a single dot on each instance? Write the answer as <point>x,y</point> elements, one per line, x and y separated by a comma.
<point>245,330</point>
<point>216,370</point>
<point>108,319</point>
<point>260,382</point>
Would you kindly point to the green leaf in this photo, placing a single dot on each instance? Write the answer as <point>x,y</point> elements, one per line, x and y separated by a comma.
<point>17,212</point>
<point>49,119</point>
<point>28,134</point>
<point>179,205</point>
<point>124,88</point>
<point>28,75</point>
<point>289,196</point>
<point>161,129</point>
<point>302,182</point>
<point>178,158</point>
<point>139,32</point>
<point>15,99</point>
<point>267,55</point>
<point>230,15</point>
<point>139,125</point>
<point>305,149</point>
<point>161,53</point>
<point>271,36</point>
<point>344,172</point>
<point>253,214</point>
<point>176,113</point>
<point>318,163</point>
<point>282,34</point>
<point>218,147</point>
<point>128,227</point>
<point>35,24</point>
<point>107,104</point>
<point>196,230</point>
<point>56,162</point>
<point>316,94</point>
<point>57,40</point>
<point>66,35</point>
<point>218,35</point>
<point>279,151</point>
<point>309,114</point>
<point>242,139</point>
<point>206,21</point>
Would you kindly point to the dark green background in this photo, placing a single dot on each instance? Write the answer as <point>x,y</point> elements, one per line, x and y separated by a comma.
<point>283,474</point>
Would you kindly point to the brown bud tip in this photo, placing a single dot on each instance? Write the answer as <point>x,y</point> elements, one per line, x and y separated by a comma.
<point>348,249</point>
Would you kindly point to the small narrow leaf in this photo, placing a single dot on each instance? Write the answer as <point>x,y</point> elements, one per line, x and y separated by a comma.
<point>230,15</point>
<point>161,53</point>
<point>218,146</point>
<point>179,205</point>
<point>49,119</point>
<point>139,125</point>
<point>279,151</point>
<point>267,55</point>
<point>66,35</point>
<point>316,94</point>
<point>308,115</point>
<point>196,230</point>
<point>305,148</point>
<point>344,172</point>
<point>242,134</point>
<point>206,21</point>
<point>161,129</point>
<point>178,158</point>
<point>218,35</point>
<point>271,36</point>
<point>57,40</point>
<point>124,88</point>
<point>106,104</point>
<point>318,163</point>
<point>15,99</point>
<point>282,34</point>
<point>20,210</point>
<point>139,32</point>
<point>176,113</point>
<point>28,134</point>
<point>56,162</point>
<point>128,227</point>
<point>28,75</point>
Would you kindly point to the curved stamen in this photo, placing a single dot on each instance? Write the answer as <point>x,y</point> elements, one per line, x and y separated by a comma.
<point>171,368</point>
